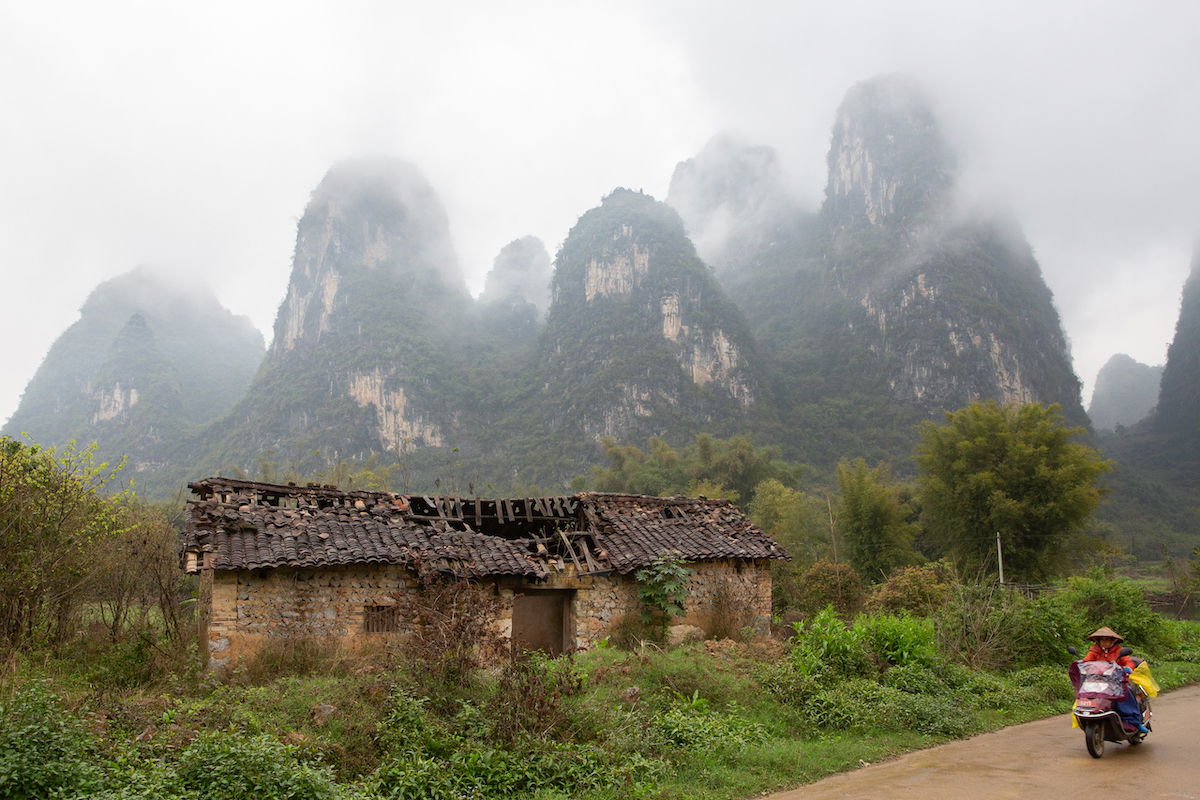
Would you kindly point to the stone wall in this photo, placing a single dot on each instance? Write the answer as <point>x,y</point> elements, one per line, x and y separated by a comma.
<point>247,607</point>
<point>729,593</point>
<point>328,602</point>
<point>737,589</point>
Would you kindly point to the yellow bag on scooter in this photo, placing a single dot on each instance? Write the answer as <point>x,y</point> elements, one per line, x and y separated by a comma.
<point>1142,677</point>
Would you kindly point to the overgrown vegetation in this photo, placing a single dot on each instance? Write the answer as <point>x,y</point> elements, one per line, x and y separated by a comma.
<point>932,658</point>
<point>103,701</point>
<point>72,559</point>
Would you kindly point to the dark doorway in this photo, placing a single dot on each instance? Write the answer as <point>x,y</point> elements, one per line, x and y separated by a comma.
<point>539,620</point>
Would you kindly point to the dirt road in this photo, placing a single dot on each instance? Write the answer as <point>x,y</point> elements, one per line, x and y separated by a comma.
<point>1043,760</point>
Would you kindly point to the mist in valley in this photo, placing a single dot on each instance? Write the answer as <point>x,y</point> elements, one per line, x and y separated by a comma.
<point>191,138</point>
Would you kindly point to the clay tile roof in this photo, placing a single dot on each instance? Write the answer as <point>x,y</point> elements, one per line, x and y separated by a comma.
<point>247,525</point>
<point>633,530</point>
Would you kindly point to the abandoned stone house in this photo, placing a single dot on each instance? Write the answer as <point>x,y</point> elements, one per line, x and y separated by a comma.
<point>278,561</point>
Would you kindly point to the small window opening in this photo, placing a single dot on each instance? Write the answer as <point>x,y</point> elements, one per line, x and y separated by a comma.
<point>381,619</point>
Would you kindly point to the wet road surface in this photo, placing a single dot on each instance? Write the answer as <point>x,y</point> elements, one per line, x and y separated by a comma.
<point>1044,760</point>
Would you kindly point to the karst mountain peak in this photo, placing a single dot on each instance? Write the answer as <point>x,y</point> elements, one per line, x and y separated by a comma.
<point>729,310</point>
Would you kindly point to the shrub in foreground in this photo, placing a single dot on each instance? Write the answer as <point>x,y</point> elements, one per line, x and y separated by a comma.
<point>825,645</point>
<point>1120,605</point>
<point>228,765</point>
<point>897,639</point>
<point>44,750</point>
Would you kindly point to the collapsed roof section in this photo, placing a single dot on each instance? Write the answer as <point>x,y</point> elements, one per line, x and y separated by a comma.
<point>244,525</point>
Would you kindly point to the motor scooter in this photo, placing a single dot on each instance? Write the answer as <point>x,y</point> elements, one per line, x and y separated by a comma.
<point>1098,686</point>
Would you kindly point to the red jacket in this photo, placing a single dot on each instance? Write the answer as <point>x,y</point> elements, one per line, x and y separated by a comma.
<point>1096,653</point>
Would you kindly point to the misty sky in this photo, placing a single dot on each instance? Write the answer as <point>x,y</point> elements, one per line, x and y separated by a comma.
<point>188,135</point>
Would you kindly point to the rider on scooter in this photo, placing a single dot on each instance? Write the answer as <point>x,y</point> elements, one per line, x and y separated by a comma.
<point>1106,646</point>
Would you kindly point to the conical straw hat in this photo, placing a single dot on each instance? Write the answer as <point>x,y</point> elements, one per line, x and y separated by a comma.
<point>1100,633</point>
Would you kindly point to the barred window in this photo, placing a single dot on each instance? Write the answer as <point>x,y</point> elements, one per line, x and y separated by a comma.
<point>381,619</point>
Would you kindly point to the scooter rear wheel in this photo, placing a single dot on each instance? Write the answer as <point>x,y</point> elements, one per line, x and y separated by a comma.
<point>1093,737</point>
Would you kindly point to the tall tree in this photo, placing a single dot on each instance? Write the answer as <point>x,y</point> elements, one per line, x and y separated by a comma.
<point>792,518</point>
<point>796,521</point>
<point>873,521</point>
<point>1011,470</point>
<point>54,527</point>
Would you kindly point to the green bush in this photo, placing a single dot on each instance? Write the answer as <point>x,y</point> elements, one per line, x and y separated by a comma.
<point>407,728</point>
<point>825,646</point>
<point>784,681</point>
<point>862,704</point>
<point>919,590</point>
<point>689,724</point>
<point>133,775</point>
<point>830,583</point>
<point>939,715</point>
<point>44,750</point>
<point>1120,605</point>
<point>978,689</point>
<point>1046,685</point>
<point>228,765</point>
<point>1187,633</point>
<point>485,772</point>
<point>897,640</point>
<point>915,678</point>
<point>412,776</point>
<point>1042,629</point>
<point>858,704</point>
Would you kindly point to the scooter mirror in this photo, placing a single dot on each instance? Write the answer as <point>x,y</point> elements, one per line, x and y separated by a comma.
<point>1071,649</point>
<point>1126,651</point>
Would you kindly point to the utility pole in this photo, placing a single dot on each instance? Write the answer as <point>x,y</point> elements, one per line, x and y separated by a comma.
<point>1000,557</point>
<point>832,527</point>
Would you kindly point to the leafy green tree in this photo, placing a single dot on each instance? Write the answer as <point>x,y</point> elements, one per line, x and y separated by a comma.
<point>54,527</point>
<point>371,474</point>
<point>873,521</point>
<point>798,523</point>
<point>737,464</point>
<point>728,468</point>
<point>656,471</point>
<point>1010,469</point>
<point>792,518</point>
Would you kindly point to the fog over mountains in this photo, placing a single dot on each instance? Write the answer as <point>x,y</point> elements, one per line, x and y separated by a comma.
<point>146,364</point>
<point>190,138</point>
<point>829,331</point>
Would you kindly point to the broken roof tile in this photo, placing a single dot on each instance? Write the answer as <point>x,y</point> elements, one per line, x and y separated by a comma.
<point>244,526</point>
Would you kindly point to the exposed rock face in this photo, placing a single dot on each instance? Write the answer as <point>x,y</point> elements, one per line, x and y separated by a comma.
<point>1126,391</point>
<point>1179,397</point>
<point>146,363</point>
<point>888,158</point>
<point>399,428</point>
<point>888,305</point>
<point>372,221</point>
<point>968,318</point>
<point>899,298</point>
<point>640,338</point>
<point>365,342</point>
